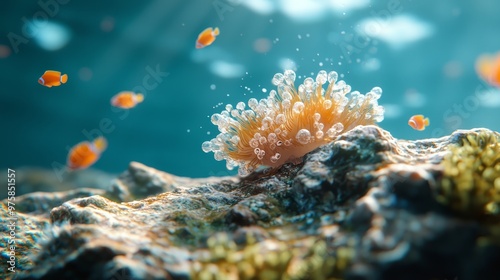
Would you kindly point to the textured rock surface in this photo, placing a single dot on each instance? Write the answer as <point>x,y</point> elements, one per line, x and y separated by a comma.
<point>362,207</point>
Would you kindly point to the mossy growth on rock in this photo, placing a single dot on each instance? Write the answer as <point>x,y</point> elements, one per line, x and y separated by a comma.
<point>307,258</point>
<point>471,182</point>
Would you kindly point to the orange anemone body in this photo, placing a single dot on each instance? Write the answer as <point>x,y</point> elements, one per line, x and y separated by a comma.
<point>290,122</point>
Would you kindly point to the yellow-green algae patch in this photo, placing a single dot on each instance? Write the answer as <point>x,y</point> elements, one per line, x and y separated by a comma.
<point>304,258</point>
<point>471,182</point>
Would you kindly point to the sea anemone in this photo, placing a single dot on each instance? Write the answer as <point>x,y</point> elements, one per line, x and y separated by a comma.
<point>290,122</point>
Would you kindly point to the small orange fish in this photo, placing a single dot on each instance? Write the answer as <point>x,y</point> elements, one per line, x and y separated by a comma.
<point>126,99</point>
<point>52,78</point>
<point>418,122</point>
<point>488,68</point>
<point>86,153</point>
<point>207,37</point>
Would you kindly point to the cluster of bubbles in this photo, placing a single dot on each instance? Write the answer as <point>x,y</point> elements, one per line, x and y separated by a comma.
<point>264,124</point>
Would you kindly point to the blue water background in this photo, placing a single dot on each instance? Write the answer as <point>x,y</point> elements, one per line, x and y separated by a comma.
<point>113,45</point>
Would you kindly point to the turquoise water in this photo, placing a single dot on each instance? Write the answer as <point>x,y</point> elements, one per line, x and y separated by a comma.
<point>421,53</point>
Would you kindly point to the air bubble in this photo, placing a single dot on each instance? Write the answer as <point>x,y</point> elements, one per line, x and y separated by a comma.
<point>331,132</point>
<point>267,122</point>
<point>319,134</point>
<point>272,138</point>
<point>231,164</point>
<point>327,104</point>
<point>344,101</point>
<point>317,117</point>
<point>249,114</point>
<point>338,127</point>
<point>215,118</point>
<point>206,146</point>
<point>377,91</point>
<point>347,89</point>
<point>218,155</point>
<point>272,94</point>
<point>235,113</point>
<point>289,77</point>
<point>340,85</point>
<point>278,79</point>
<point>252,103</point>
<point>287,95</point>
<point>240,106</point>
<point>280,119</point>
<point>378,118</point>
<point>332,77</point>
<point>298,107</point>
<point>303,136</point>
<point>261,154</point>
<point>321,78</point>
<point>254,143</point>
<point>309,83</point>
<point>301,89</point>
<point>275,158</point>
<point>286,104</point>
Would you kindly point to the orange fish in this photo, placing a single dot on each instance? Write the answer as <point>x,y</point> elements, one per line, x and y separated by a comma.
<point>418,122</point>
<point>126,99</point>
<point>52,78</point>
<point>86,153</point>
<point>488,68</point>
<point>207,37</point>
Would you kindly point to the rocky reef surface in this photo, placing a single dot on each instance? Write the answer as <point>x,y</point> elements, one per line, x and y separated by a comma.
<point>365,206</point>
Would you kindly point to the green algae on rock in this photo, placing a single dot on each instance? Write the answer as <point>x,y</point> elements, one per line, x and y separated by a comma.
<point>471,182</point>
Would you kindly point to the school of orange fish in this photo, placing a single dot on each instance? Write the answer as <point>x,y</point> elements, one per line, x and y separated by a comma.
<point>86,153</point>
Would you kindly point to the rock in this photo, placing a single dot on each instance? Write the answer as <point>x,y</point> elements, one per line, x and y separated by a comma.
<point>29,180</point>
<point>366,206</point>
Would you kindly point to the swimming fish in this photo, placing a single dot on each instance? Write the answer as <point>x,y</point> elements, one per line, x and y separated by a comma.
<point>52,78</point>
<point>126,99</point>
<point>488,68</point>
<point>86,153</point>
<point>418,122</point>
<point>206,37</point>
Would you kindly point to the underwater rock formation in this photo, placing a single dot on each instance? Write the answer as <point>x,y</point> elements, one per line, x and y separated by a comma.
<point>365,206</point>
